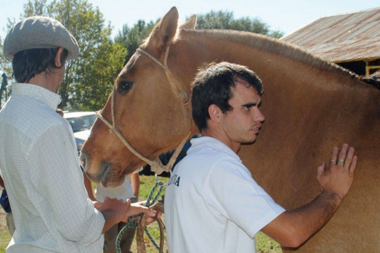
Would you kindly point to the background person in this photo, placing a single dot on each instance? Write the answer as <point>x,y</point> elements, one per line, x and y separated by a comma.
<point>39,164</point>
<point>212,203</point>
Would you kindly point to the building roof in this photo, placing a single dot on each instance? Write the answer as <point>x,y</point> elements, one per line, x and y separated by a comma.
<point>342,38</point>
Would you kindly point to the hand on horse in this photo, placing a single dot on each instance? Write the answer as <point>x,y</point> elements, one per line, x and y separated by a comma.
<point>339,175</point>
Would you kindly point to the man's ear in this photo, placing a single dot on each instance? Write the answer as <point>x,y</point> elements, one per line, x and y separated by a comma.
<point>57,59</point>
<point>215,113</point>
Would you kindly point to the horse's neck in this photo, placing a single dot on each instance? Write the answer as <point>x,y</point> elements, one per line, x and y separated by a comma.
<point>240,45</point>
<point>274,61</point>
<point>289,74</point>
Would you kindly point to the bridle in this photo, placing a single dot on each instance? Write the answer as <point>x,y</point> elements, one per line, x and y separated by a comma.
<point>181,94</point>
<point>156,165</point>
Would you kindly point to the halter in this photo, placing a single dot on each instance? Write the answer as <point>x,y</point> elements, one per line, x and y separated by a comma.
<point>156,165</point>
<point>181,94</point>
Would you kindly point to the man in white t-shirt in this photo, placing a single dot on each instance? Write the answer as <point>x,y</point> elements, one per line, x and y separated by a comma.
<point>212,204</point>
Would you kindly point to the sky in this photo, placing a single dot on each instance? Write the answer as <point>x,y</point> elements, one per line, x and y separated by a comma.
<point>284,15</point>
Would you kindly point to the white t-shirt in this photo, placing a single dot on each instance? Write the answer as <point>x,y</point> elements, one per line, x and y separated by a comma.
<point>212,204</point>
<point>122,192</point>
<point>40,167</point>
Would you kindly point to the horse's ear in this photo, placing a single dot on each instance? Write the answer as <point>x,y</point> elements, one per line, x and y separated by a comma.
<point>164,32</point>
<point>190,23</point>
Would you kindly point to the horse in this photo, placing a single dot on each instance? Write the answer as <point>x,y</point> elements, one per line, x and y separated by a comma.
<point>310,105</point>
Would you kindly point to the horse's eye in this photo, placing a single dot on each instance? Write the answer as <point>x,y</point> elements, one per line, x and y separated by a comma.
<point>124,86</point>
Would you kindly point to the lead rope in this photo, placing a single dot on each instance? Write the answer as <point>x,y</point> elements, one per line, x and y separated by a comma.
<point>132,221</point>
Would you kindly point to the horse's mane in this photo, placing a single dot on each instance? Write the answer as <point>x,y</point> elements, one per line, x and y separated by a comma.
<point>373,79</point>
<point>269,44</point>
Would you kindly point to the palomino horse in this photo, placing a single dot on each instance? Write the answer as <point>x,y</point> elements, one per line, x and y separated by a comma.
<point>310,107</point>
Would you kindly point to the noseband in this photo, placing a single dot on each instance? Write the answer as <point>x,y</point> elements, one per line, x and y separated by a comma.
<point>156,165</point>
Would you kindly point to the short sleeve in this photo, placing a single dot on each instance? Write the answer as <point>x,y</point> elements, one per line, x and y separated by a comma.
<point>235,194</point>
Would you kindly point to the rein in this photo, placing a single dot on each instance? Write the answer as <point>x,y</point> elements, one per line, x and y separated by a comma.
<point>156,165</point>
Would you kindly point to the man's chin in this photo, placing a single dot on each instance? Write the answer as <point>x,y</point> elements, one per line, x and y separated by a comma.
<point>249,142</point>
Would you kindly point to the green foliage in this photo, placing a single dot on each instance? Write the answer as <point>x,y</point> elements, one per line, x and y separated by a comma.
<point>89,78</point>
<point>5,69</point>
<point>5,64</point>
<point>132,38</point>
<point>225,20</point>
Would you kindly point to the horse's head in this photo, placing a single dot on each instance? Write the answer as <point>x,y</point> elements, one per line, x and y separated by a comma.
<point>148,95</point>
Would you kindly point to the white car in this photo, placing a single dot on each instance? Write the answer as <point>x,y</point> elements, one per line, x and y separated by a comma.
<point>81,123</point>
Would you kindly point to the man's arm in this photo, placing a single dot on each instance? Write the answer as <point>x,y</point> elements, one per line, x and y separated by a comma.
<point>292,228</point>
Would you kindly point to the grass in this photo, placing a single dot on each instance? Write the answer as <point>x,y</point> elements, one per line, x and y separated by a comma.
<point>146,185</point>
<point>264,243</point>
<point>5,238</point>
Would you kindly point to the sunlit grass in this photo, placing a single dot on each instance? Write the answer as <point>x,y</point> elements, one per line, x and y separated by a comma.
<point>5,238</point>
<point>265,244</point>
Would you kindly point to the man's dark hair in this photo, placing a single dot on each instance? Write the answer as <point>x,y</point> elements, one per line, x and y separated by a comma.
<point>212,85</point>
<point>28,63</point>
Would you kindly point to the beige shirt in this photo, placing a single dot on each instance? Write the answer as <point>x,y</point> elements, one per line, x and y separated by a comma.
<point>44,182</point>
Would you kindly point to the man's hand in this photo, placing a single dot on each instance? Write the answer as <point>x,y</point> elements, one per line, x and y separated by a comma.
<point>149,219</point>
<point>339,175</point>
<point>293,228</point>
<point>123,210</point>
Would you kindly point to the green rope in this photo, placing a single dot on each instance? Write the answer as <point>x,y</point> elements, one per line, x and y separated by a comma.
<point>132,221</point>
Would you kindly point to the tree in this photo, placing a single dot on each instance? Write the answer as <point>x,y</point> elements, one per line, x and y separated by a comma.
<point>225,20</point>
<point>89,78</point>
<point>132,38</point>
<point>6,76</point>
